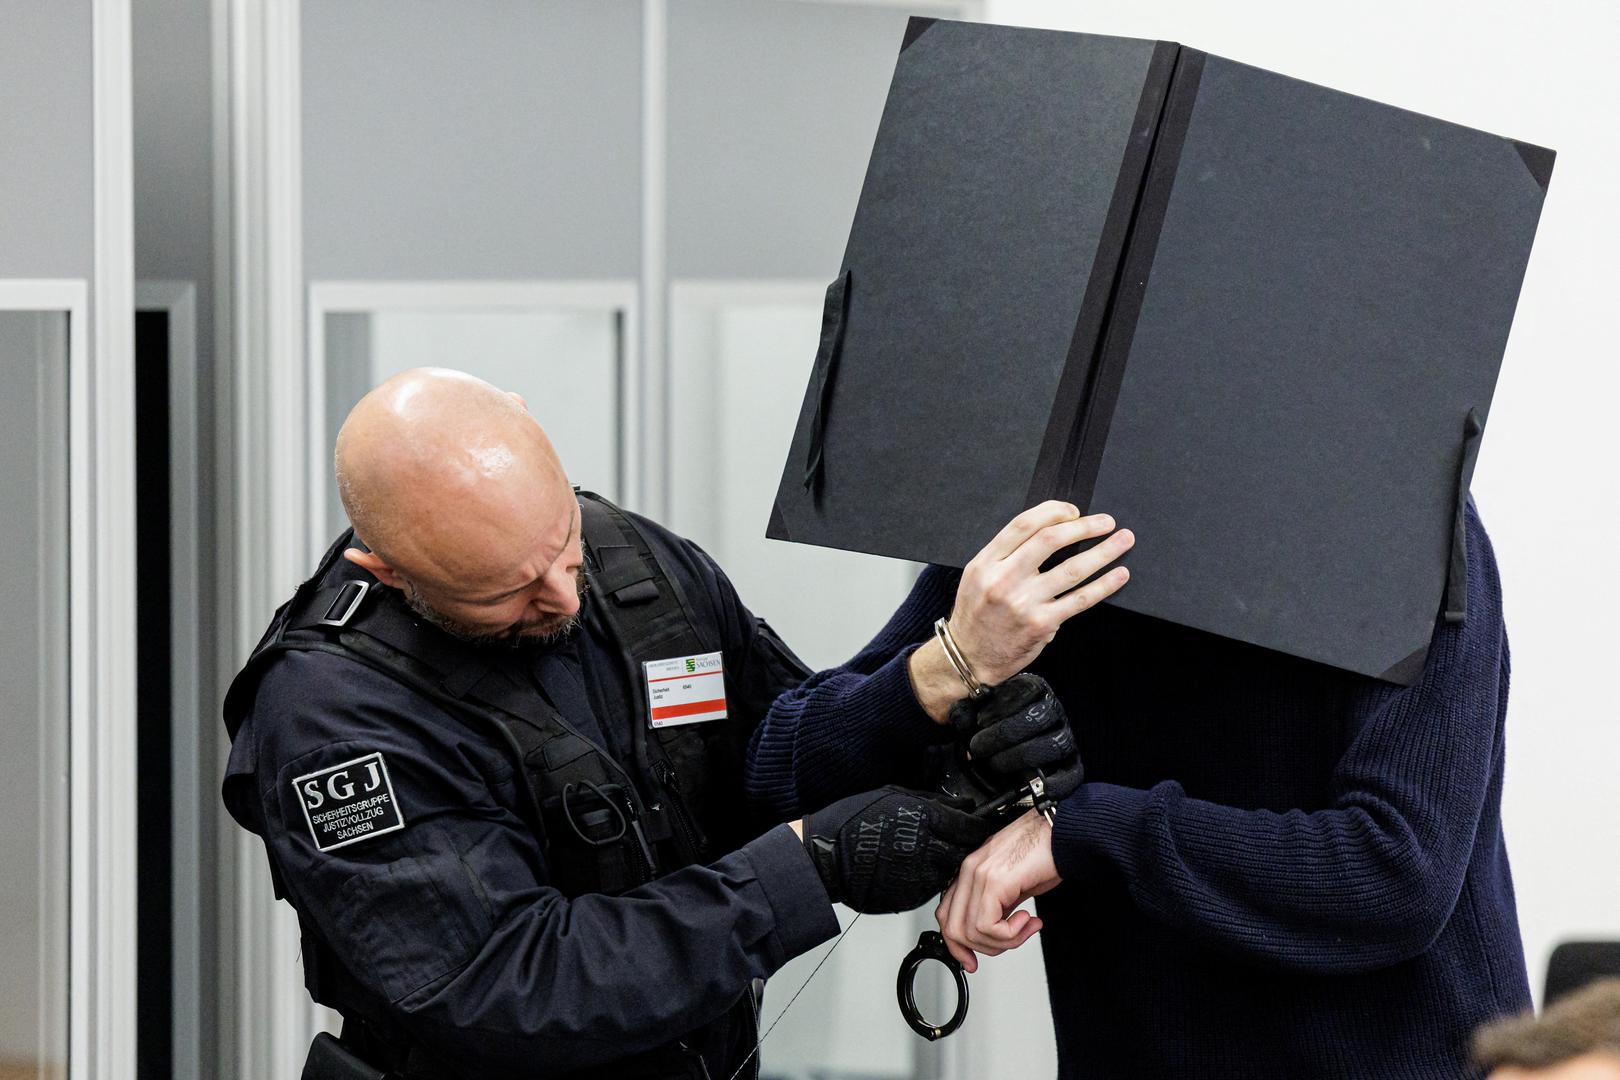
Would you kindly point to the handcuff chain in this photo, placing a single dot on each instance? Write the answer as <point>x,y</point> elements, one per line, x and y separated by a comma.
<point>813,972</point>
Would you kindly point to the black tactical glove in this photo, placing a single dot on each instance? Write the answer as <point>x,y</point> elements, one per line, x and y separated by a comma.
<point>892,849</point>
<point>1012,731</point>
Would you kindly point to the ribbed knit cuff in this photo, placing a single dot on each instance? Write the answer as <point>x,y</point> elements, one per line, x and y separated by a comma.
<point>804,914</point>
<point>893,725</point>
<point>1099,821</point>
<point>912,727</point>
<point>870,728</point>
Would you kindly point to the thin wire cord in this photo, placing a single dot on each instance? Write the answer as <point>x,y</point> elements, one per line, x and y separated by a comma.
<point>795,996</point>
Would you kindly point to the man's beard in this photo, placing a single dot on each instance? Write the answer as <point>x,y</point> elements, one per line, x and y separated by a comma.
<point>544,631</point>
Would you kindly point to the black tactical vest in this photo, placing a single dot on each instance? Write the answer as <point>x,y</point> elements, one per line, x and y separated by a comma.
<point>604,827</point>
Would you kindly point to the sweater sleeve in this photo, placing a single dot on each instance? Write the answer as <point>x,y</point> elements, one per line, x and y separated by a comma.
<point>853,727</point>
<point>1367,882</point>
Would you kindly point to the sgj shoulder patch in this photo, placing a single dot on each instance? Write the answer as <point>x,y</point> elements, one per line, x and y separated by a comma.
<point>347,803</point>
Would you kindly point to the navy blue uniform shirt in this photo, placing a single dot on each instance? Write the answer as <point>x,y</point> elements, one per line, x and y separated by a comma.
<point>448,920</point>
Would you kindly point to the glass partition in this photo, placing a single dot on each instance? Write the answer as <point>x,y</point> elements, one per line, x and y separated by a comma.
<point>33,682</point>
<point>567,362</point>
<point>739,356</point>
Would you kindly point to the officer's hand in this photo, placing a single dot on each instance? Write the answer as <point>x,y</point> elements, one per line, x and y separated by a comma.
<point>892,849</point>
<point>1007,610</point>
<point>1019,727</point>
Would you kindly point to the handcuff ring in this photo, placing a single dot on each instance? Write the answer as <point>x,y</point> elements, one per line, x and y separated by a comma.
<point>930,946</point>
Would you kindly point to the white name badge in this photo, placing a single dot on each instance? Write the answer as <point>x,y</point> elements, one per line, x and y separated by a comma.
<point>685,689</point>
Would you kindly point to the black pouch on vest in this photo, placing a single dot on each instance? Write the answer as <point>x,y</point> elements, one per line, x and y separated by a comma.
<point>331,1060</point>
<point>593,843</point>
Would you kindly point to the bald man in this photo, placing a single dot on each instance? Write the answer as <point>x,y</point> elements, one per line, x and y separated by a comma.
<point>496,750</point>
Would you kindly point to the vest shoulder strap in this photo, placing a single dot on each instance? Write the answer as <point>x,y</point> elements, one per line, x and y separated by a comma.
<point>645,606</point>
<point>239,695</point>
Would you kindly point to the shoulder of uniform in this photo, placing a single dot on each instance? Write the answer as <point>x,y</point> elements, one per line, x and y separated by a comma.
<point>306,699</point>
<point>652,530</point>
<point>678,555</point>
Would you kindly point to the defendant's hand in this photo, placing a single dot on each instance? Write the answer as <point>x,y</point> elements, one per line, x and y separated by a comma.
<point>976,913</point>
<point>1007,610</point>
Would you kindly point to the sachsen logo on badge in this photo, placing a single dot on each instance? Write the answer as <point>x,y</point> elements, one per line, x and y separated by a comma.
<point>347,803</point>
<point>685,689</point>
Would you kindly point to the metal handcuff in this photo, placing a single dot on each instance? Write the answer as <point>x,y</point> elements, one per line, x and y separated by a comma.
<point>931,944</point>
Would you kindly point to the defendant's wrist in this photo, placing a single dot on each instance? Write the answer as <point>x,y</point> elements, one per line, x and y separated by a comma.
<point>934,683</point>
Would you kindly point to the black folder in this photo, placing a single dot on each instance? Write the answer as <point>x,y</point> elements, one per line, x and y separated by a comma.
<point>1257,320</point>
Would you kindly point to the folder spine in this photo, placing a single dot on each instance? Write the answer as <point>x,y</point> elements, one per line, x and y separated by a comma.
<point>1054,465</point>
<point>1085,451</point>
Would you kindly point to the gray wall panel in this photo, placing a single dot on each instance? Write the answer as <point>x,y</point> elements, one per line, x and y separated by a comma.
<point>172,114</point>
<point>471,138</point>
<point>772,111</point>
<point>173,117</point>
<point>47,172</point>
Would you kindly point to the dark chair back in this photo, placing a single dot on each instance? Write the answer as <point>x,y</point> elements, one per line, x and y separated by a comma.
<point>1576,963</point>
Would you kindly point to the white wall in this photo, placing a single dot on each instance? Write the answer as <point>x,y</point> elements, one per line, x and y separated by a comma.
<point>1545,481</point>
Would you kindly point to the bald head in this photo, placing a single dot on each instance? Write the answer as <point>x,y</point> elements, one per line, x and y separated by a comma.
<point>457,491</point>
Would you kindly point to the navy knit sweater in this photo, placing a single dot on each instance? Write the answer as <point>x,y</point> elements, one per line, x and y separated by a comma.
<point>1274,869</point>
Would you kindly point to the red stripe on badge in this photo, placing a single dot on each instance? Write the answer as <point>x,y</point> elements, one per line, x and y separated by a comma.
<point>693,675</point>
<point>669,712</point>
